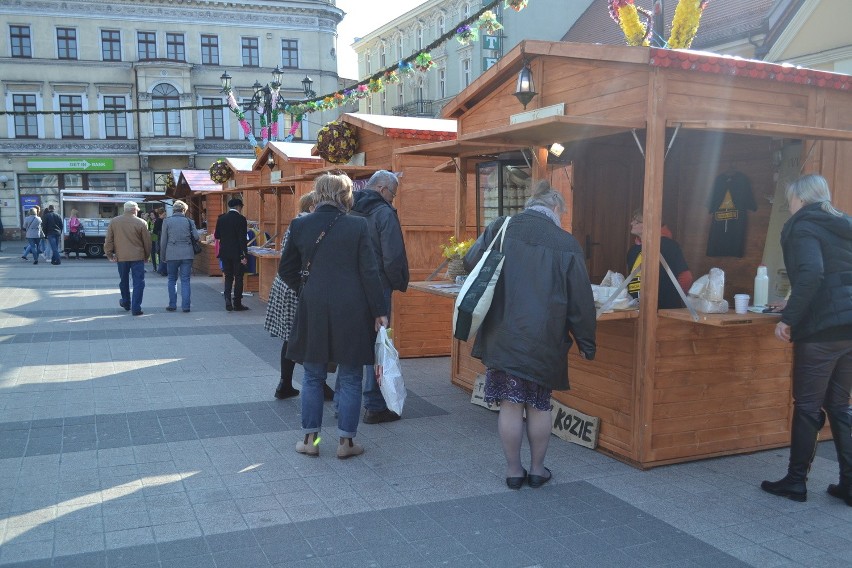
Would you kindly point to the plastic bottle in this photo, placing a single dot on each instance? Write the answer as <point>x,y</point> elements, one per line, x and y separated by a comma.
<point>761,286</point>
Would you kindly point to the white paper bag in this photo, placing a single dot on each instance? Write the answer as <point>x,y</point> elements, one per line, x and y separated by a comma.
<point>391,384</point>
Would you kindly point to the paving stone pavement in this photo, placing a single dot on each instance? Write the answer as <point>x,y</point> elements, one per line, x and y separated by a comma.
<point>155,441</point>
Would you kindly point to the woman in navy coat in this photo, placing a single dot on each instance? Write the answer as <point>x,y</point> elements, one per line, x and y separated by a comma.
<point>341,307</point>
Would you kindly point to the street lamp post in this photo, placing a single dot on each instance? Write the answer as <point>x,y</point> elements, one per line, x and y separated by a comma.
<point>266,102</point>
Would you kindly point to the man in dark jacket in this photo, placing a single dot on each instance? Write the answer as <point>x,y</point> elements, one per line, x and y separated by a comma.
<point>53,230</point>
<point>231,229</point>
<point>375,203</point>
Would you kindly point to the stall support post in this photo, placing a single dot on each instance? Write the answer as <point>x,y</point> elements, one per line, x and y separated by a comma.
<point>540,165</point>
<point>652,212</point>
<point>461,199</point>
<point>277,218</point>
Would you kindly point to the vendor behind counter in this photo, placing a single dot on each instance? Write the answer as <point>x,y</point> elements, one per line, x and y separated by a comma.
<point>670,251</point>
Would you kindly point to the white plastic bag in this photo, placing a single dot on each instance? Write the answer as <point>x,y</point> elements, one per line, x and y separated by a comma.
<point>389,374</point>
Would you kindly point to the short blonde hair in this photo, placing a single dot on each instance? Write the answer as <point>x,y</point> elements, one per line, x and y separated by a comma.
<point>334,188</point>
<point>307,201</point>
<point>74,212</point>
<point>179,206</point>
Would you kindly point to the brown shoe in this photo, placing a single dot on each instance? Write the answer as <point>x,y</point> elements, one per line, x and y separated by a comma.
<point>348,449</point>
<point>308,445</point>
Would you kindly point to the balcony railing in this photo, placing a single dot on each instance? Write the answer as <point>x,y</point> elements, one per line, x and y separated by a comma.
<point>421,108</point>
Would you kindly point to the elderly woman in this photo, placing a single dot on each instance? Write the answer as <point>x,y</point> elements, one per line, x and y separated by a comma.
<point>817,318</point>
<point>524,338</point>
<point>33,233</point>
<point>329,257</point>
<point>176,251</point>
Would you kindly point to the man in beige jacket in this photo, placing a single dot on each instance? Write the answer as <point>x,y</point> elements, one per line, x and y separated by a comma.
<point>128,243</point>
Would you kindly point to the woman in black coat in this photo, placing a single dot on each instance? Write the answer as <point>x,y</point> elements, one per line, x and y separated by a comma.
<point>341,307</point>
<point>543,295</point>
<point>817,318</point>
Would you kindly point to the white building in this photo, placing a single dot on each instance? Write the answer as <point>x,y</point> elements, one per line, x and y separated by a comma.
<point>456,66</point>
<point>89,64</point>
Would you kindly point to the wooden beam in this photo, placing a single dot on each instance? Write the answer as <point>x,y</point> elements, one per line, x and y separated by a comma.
<point>755,128</point>
<point>461,198</point>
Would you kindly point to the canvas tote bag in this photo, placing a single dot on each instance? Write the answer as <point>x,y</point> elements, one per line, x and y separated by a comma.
<point>476,293</point>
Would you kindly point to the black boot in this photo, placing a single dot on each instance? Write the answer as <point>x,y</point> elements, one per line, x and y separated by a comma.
<point>803,440</point>
<point>285,385</point>
<point>228,305</point>
<point>841,430</point>
<point>238,305</point>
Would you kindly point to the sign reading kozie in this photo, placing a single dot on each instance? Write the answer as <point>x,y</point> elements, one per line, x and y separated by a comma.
<point>574,426</point>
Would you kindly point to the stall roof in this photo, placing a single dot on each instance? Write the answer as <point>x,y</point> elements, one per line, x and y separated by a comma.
<point>293,150</point>
<point>404,126</point>
<point>240,164</point>
<point>765,129</point>
<point>351,171</point>
<point>198,181</point>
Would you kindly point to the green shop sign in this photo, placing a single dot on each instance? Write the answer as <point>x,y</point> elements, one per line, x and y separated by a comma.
<point>71,164</point>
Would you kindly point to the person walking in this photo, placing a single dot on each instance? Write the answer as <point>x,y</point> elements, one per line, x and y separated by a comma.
<point>281,309</point>
<point>231,231</point>
<point>53,230</point>
<point>375,203</point>
<point>817,318</point>
<point>33,233</point>
<point>329,258</point>
<point>178,232</point>
<point>159,218</point>
<point>526,334</point>
<point>128,243</point>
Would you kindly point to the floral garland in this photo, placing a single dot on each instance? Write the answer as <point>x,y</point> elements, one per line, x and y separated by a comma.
<point>466,34</point>
<point>220,171</point>
<point>684,24</point>
<point>516,5</point>
<point>488,23</point>
<point>171,184</point>
<point>687,16</point>
<point>423,62</point>
<point>336,142</point>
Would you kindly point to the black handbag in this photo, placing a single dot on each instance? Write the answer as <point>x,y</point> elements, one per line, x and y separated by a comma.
<point>196,246</point>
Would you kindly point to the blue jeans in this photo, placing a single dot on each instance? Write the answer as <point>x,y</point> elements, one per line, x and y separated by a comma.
<point>349,398</point>
<point>32,247</point>
<point>373,399</point>
<point>184,267</point>
<point>136,270</point>
<point>53,239</point>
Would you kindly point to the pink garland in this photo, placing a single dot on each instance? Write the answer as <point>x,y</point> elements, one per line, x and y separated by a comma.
<point>246,126</point>
<point>274,129</point>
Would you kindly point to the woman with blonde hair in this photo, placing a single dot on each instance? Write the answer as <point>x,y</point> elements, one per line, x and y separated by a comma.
<point>177,234</point>
<point>329,258</point>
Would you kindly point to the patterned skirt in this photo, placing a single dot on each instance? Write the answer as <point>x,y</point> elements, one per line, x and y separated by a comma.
<point>281,309</point>
<point>500,385</point>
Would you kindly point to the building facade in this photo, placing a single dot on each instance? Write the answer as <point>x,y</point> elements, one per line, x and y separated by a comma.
<point>456,66</point>
<point>114,88</point>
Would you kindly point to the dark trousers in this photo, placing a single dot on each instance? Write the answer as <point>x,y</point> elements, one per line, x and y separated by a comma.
<point>233,269</point>
<point>822,377</point>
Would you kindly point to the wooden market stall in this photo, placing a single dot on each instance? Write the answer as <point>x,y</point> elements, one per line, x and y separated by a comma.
<point>281,182</point>
<point>203,196</point>
<point>654,129</point>
<point>425,207</point>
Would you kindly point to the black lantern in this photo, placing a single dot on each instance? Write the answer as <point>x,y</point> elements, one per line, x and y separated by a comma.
<point>226,81</point>
<point>307,83</point>
<point>525,89</point>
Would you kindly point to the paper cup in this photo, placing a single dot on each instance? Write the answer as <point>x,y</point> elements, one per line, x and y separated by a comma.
<point>741,303</point>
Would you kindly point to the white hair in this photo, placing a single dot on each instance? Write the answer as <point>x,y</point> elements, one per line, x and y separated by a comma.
<point>131,206</point>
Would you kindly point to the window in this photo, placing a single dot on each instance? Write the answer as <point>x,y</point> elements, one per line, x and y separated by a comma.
<point>147,42</point>
<point>175,47</point>
<point>289,54</point>
<point>66,43</point>
<point>111,45</point>
<point>251,54</point>
<point>213,119</point>
<point>209,50</point>
<point>466,11</point>
<point>368,64</point>
<point>26,125</point>
<point>115,117</point>
<point>440,25</point>
<point>400,96</point>
<point>419,38</point>
<point>465,72</point>
<point>442,83</point>
<point>399,47</point>
<point>384,99</point>
<point>165,98</point>
<point>71,117</point>
<point>19,39</point>
<point>383,52</point>
<point>47,184</point>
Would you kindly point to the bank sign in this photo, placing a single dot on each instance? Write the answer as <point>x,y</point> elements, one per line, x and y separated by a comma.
<point>71,165</point>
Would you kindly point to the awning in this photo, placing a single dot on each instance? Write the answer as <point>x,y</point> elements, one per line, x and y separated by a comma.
<point>456,148</point>
<point>546,131</point>
<point>351,171</point>
<point>197,181</point>
<point>765,129</point>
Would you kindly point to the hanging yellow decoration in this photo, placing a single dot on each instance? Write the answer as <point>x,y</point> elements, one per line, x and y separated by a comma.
<point>685,23</point>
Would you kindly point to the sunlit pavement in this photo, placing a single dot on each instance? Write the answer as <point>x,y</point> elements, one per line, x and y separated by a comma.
<point>155,441</point>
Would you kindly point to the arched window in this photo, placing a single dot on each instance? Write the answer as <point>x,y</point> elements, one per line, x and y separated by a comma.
<point>441,25</point>
<point>166,122</point>
<point>399,47</point>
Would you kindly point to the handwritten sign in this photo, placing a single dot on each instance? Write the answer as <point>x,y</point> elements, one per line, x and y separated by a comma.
<point>478,395</point>
<point>574,426</point>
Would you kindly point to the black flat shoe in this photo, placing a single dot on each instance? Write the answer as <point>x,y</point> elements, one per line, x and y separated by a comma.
<point>516,482</point>
<point>286,393</point>
<point>536,481</point>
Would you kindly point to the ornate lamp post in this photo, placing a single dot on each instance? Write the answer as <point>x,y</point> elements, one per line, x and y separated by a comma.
<point>265,101</point>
